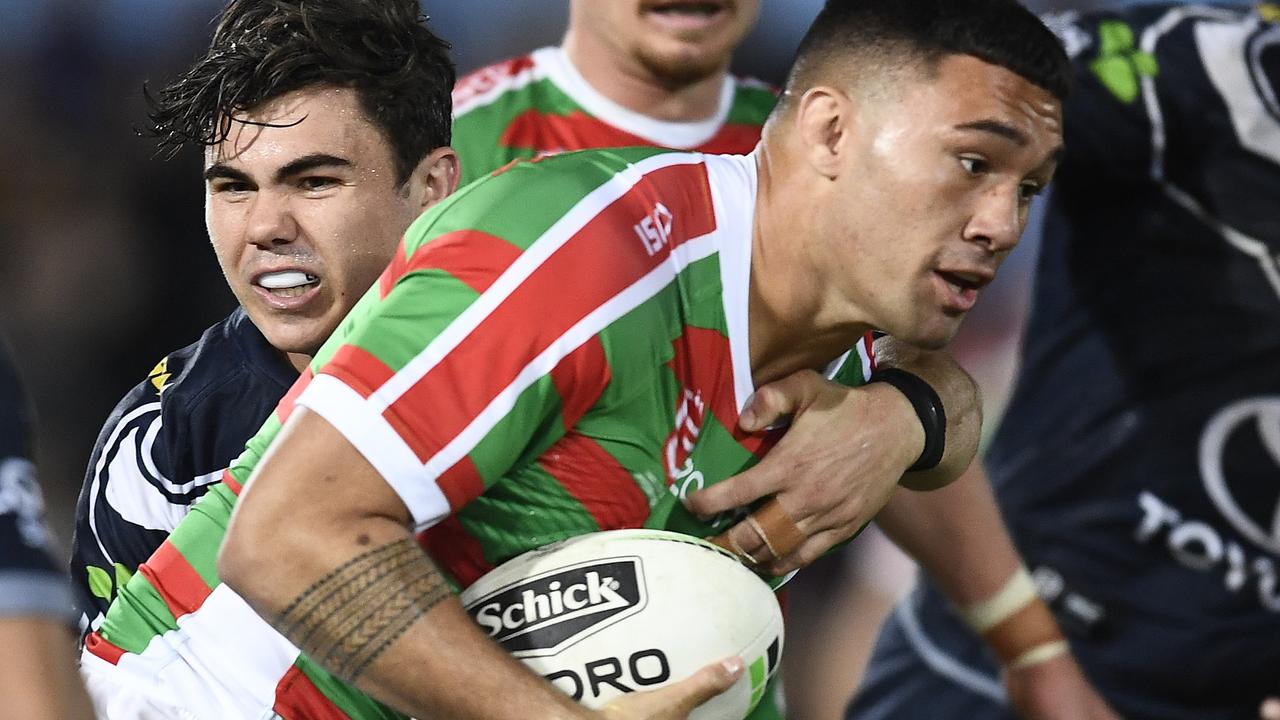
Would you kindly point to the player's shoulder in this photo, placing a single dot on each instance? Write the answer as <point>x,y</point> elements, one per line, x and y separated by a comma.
<point>525,200</point>
<point>486,85</point>
<point>185,383</point>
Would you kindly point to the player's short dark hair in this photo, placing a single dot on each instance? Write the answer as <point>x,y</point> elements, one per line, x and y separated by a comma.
<point>1000,32</point>
<point>262,49</point>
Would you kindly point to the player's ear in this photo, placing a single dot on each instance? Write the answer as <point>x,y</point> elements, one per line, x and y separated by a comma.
<point>823,117</point>
<point>435,178</point>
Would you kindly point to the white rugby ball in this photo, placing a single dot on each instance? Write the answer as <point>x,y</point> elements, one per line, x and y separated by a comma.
<point>612,612</point>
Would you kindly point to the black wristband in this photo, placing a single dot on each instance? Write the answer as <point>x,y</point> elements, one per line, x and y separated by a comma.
<point>928,407</point>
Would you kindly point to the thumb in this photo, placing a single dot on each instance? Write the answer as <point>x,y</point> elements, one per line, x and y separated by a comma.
<point>773,401</point>
<point>701,686</point>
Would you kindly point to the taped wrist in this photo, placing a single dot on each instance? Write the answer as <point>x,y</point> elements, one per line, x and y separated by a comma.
<point>1016,624</point>
<point>928,406</point>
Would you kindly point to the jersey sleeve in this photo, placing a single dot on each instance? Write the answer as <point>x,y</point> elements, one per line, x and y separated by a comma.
<point>437,388</point>
<point>29,582</point>
<point>137,488</point>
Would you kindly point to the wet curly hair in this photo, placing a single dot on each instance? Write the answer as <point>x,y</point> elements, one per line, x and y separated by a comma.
<point>262,49</point>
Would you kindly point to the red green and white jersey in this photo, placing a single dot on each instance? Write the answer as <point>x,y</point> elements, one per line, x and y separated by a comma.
<point>539,104</point>
<point>555,350</point>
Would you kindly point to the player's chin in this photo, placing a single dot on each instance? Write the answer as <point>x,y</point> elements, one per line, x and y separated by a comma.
<point>296,334</point>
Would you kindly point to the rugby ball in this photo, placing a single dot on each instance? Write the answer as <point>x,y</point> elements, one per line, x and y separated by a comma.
<point>612,612</point>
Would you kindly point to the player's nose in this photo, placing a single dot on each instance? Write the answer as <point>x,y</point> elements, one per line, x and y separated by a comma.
<point>271,220</point>
<point>997,220</point>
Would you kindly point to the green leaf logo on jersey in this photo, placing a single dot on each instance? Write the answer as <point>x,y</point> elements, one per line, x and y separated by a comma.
<point>1119,64</point>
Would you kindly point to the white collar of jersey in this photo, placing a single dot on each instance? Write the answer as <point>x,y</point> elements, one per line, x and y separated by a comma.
<point>557,66</point>
<point>734,181</point>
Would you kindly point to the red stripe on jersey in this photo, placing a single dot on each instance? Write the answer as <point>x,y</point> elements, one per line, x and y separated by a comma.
<point>870,343</point>
<point>459,554</point>
<point>297,698</point>
<point>461,483</point>
<point>737,139</point>
<point>561,133</point>
<point>474,257</point>
<point>182,588</point>
<point>580,378</point>
<point>358,369</point>
<point>99,646</point>
<point>595,478</point>
<point>487,78</point>
<point>394,270</point>
<point>608,255</point>
<point>230,481</point>
<point>285,408</point>
<point>577,130</point>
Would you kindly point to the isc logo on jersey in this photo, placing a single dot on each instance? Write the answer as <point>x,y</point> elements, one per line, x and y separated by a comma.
<point>545,614</point>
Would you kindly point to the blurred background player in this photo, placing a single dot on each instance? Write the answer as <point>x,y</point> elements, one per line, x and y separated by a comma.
<point>628,72</point>
<point>818,148</point>
<point>38,678</point>
<point>1137,464</point>
<point>301,227</point>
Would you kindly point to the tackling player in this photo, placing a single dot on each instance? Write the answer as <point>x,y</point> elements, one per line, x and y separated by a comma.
<point>853,215</point>
<point>1137,462</point>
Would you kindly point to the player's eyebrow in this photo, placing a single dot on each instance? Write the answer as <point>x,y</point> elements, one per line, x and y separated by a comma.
<point>1011,133</point>
<point>310,162</point>
<point>294,167</point>
<point>995,127</point>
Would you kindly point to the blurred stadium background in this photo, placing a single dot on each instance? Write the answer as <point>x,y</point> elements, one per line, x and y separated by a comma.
<point>104,263</point>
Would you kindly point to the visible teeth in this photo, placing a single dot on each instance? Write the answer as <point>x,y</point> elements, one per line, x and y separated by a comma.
<point>286,279</point>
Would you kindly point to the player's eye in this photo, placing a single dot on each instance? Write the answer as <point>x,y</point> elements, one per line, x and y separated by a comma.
<point>314,183</point>
<point>973,165</point>
<point>1028,190</point>
<point>230,186</point>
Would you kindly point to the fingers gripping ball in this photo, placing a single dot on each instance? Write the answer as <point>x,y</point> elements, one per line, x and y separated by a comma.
<point>607,613</point>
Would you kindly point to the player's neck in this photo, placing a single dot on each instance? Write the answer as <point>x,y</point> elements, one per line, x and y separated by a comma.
<point>793,323</point>
<point>626,82</point>
<point>298,361</point>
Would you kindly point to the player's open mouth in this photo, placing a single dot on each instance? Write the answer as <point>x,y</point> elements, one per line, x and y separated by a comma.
<point>962,288</point>
<point>287,283</point>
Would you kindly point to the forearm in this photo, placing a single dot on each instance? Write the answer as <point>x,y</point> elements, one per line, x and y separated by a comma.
<point>344,581</point>
<point>957,535</point>
<point>960,398</point>
<point>38,677</point>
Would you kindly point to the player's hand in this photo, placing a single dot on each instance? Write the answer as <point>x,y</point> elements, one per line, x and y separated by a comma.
<point>676,701</point>
<point>837,465</point>
<point>1270,709</point>
<point>1055,690</point>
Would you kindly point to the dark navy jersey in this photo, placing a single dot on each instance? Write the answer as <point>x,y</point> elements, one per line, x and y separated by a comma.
<point>1139,458</point>
<point>30,584</point>
<point>165,444</point>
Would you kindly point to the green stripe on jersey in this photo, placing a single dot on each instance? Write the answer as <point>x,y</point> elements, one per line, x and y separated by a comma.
<point>751,105</point>
<point>349,700</point>
<point>191,538</point>
<point>137,615</point>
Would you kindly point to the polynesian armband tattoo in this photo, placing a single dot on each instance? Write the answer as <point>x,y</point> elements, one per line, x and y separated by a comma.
<point>348,618</point>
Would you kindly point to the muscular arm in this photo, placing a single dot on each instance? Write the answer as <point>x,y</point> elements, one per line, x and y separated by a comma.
<point>846,451</point>
<point>318,540</point>
<point>320,546</point>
